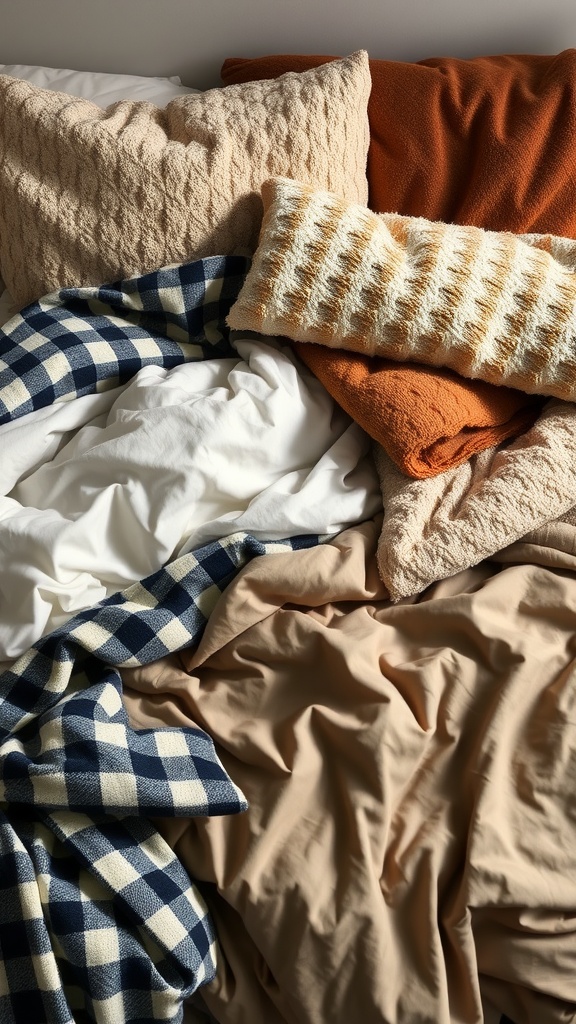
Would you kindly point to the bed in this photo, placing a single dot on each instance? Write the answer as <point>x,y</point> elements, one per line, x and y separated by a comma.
<point>288,543</point>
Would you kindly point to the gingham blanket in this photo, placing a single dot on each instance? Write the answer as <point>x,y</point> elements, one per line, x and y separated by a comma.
<point>83,340</point>
<point>98,919</point>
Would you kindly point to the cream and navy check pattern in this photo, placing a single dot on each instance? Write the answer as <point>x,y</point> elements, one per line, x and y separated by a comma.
<point>98,919</point>
<point>83,340</point>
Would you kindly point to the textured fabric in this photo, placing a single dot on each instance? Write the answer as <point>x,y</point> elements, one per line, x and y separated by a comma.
<point>106,194</point>
<point>108,482</point>
<point>489,305</point>
<point>433,529</point>
<point>409,848</point>
<point>427,423</point>
<point>488,141</point>
<point>97,914</point>
<point>79,341</point>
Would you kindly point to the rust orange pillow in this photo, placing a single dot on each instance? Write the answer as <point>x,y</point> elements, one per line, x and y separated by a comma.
<point>487,141</point>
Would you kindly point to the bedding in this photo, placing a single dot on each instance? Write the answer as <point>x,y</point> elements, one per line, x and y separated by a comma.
<point>138,430</point>
<point>99,87</point>
<point>88,196</point>
<point>287,733</point>
<point>99,920</point>
<point>489,305</point>
<point>409,849</point>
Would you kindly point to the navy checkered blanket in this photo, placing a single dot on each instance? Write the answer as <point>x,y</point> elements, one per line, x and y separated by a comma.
<point>98,919</point>
<point>79,341</point>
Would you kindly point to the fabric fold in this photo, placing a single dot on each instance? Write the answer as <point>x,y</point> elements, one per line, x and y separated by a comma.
<point>427,421</point>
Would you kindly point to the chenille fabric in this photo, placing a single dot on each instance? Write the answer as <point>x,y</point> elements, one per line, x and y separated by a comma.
<point>434,529</point>
<point>489,305</point>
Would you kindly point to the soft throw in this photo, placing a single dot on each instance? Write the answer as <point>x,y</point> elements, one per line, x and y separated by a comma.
<point>426,422</point>
<point>435,528</point>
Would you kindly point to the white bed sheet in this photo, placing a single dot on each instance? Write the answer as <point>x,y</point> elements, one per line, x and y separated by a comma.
<point>102,491</point>
<point>100,87</point>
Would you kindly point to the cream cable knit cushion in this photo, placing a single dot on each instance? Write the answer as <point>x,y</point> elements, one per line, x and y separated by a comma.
<point>435,528</point>
<point>486,304</point>
<point>88,196</point>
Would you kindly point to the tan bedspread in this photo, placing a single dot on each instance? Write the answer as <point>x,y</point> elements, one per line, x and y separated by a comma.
<point>411,770</point>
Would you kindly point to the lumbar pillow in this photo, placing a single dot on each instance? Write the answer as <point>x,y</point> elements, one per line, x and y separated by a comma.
<point>487,304</point>
<point>89,196</point>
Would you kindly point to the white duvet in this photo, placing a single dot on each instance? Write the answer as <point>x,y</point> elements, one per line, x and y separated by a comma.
<point>102,491</point>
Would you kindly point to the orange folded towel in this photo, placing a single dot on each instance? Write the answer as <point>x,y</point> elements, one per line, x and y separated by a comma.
<point>426,421</point>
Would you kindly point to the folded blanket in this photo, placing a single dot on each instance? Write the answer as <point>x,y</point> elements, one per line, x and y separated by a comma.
<point>487,304</point>
<point>435,528</point>
<point>427,422</point>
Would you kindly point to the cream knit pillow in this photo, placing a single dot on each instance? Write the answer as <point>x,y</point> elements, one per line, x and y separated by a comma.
<point>88,196</point>
<point>486,304</point>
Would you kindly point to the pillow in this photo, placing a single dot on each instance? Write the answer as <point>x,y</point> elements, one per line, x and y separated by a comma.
<point>488,141</point>
<point>427,422</point>
<point>487,304</point>
<point>100,87</point>
<point>90,196</point>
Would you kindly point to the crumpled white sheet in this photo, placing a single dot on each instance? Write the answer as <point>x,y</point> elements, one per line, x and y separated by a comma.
<point>102,491</point>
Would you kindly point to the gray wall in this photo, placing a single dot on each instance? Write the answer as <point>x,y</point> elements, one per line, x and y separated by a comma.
<point>191,37</point>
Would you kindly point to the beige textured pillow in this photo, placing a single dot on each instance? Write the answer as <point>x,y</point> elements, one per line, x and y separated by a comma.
<point>487,304</point>
<point>88,196</point>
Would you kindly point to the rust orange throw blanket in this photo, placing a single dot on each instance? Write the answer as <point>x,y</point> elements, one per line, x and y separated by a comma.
<point>461,141</point>
<point>426,422</point>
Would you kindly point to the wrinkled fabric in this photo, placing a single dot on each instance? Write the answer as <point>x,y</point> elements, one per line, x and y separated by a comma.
<point>410,845</point>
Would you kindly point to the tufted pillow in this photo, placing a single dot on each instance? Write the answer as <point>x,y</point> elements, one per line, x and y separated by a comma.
<point>490,305</point>
<point>90,195</point>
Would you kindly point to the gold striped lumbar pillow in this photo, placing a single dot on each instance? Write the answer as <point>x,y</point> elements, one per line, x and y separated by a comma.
<point>487,304</point>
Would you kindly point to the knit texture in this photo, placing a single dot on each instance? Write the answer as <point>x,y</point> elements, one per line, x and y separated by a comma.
<point>90,196</point>
<point>434,528</point>
<point>487,141</point>
<point>427,422</point>
<point>489,305</point>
